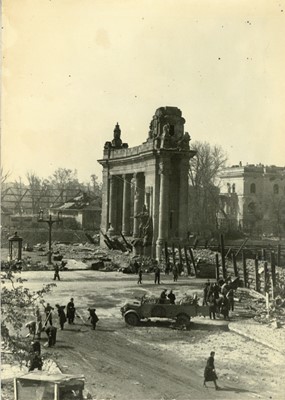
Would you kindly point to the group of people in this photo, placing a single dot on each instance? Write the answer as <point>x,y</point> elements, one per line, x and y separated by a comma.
<point>170,296</point>
<point>176,270</point>
<point>36,327</point>
<point>219,296</point>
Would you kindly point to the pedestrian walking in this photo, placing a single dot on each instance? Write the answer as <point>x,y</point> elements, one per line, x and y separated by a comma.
<point>175,273</point>
<point>157,275</point>
<point>171,297</point>
<point>48,312</point>
<point>93,317</point>
<point>56,272</point>
<point>140,276</point>
<point>210,372</point>
<point>51,332</point>
<point>61,315</point>
<point>70,311</point>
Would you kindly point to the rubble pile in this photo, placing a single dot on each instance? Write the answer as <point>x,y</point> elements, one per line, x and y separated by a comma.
<point>205,256</point>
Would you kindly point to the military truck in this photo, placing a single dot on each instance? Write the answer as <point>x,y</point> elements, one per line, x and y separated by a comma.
<point>146,308</point>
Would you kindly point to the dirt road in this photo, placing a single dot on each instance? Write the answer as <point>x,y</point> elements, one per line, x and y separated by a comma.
<point>154,361</point>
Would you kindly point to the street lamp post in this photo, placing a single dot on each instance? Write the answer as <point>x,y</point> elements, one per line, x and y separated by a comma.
<point>50,222</point>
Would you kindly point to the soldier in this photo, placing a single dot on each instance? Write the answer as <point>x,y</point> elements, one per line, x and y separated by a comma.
<point>140,276</point>
<point>51,333</point>
<point>39,325</point>
<point>175,273</point>
<point>157,275</point>
<point>162,297</point>
<point>93,317</point>
<point>56,272</point>
<point>206,293</point>
<point>61,315</point>
<point>211,301</point>
<point>48,312</point>
<point>32,326</point>
<point>171,297</point>
<point>35,361</point>
<point>230,297</point>
<point>36,347</point>
<point>70,311</point>
<point>224,307</point>
<point>136,266</point>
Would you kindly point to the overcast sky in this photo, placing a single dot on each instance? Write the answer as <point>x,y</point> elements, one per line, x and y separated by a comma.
<point>73,68</point>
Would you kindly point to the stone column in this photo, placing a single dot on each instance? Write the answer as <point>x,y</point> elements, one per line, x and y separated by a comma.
<point>163,221</point>
<point>183,199</point>
<point>112,208</point>
<point>105,202</point>
<point>147,198</point>
<point>138,202</point>
<point>126,205</point>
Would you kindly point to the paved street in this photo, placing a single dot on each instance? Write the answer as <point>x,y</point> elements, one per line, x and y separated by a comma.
<point>153,360</point>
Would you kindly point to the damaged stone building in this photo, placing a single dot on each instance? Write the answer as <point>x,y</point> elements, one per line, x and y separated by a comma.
<point>252,199</point>
<point>145,188</point>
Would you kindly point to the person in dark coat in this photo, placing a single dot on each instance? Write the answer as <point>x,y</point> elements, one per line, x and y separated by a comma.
<point>224,307</point>
<point>51,334</point>
<point>56,272</point>
<point>48,312</point>
<point>136,267</point>
<point>61,315</point>
<point>93,317</point>
<point>140,276</point>
<point>157,275</point>
<point>162,297</point>
<point>70,311</point>
<point>36,347</point>
<point>171,297</point>
<point>32,326</point>
<point>35,361</point>
<point>212,305</point>
<point>175,273</point>
<point>230,297</point>
<point>210,372</point>
<point>206,293</point>
<point>216,290</point>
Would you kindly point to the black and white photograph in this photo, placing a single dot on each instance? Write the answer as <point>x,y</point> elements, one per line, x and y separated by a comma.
<point>142,200</point>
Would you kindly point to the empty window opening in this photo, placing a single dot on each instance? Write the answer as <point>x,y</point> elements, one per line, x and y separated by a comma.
<point>252,188</point>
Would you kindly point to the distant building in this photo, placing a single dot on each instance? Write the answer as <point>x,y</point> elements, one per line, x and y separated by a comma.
<point>252,199</point>
<point>82,210</point>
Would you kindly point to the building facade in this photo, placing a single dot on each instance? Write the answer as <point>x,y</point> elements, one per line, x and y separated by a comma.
<point>145,188</point>
<point>252,198</point>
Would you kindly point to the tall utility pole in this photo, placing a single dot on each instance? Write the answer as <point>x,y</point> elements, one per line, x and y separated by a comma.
<point>50,222</point>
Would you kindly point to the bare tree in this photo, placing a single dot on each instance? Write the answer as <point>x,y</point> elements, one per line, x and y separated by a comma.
<point>204,192</point>
<point>38,191</point>
<point>66,182</point>
<point>4,176</point>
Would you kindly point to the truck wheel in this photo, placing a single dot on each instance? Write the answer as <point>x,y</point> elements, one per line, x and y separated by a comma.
<point>183,319</point>
<point>132,319</point>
